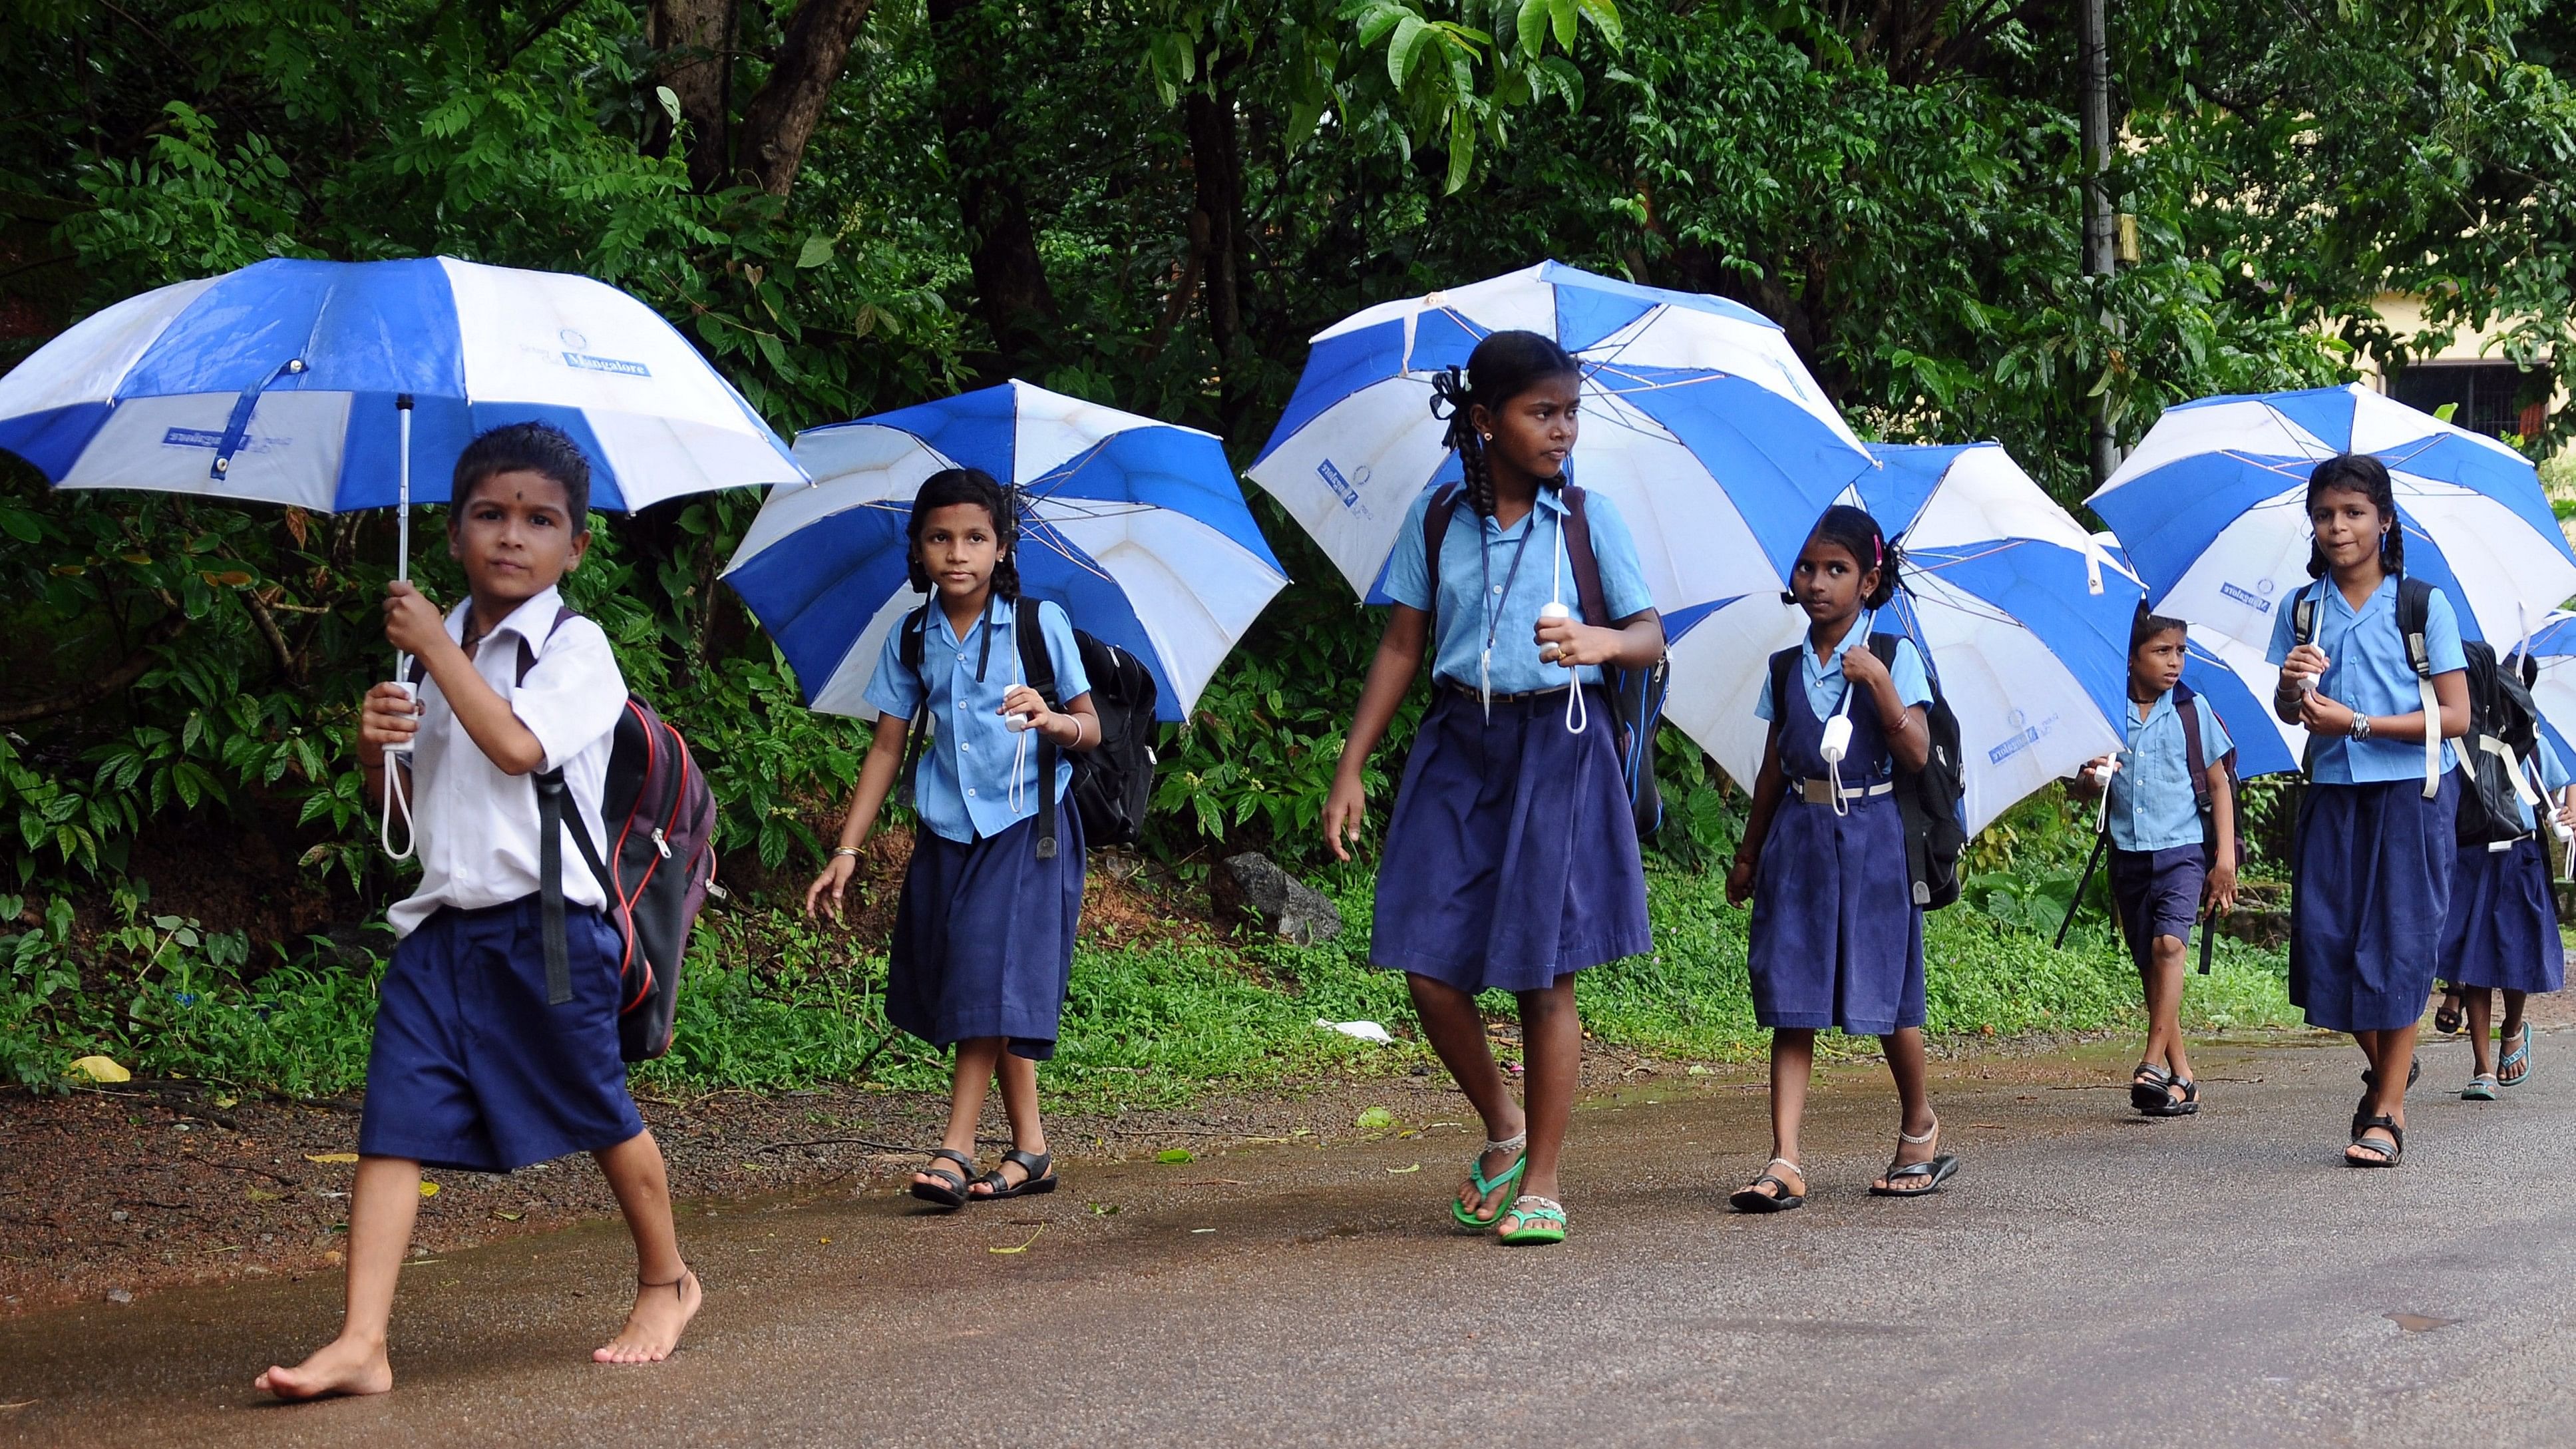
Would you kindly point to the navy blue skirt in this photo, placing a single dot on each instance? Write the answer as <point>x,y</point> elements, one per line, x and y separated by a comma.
<point>2370,890</point>
<point>1512,858</point>
<point>1837,941</point>
<point>2157,893</point>
<point>983,937</point>
<point>2502,930</point>
<point>473,1068</point>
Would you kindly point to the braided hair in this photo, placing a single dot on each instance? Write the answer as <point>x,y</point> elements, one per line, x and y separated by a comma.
<point>2363,474</point>
<point>1856,533</point>
<point>1503,366</point>
<point>948,488</point>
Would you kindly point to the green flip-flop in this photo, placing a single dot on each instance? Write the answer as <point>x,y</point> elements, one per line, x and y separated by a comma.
<point>1486,1186</point>
<point>1542,1222</point>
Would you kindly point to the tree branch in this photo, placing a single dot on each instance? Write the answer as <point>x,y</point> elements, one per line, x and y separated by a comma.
<point>782,117</point>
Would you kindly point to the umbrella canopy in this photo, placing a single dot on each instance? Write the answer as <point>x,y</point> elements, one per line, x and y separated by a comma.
<point>2553,648</point>
<point>2212,508</point>
<point>279,383</point>
<point>1698,421</point>
<point>2025,627</point>
<point>1138,528</point>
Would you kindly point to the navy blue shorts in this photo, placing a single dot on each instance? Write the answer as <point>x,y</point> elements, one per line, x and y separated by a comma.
<point>472,1069</point>
<point>2157,893</point>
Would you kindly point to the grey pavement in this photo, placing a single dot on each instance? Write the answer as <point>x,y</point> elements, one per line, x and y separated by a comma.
<point>2088,1279</point>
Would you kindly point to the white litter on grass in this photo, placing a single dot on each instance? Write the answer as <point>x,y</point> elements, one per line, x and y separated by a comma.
<point>1364,1030</point>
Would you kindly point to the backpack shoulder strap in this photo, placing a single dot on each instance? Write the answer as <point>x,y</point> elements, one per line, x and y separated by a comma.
<point>1586,565</point>
<point>2303,613</point>
<point>2414,617</point>
<point>528,653</point>
<point>908,652</point>
<point>1784,667</point>
<point>1038,667</point>
<point>2187,705</point>
<point>1435,531</point>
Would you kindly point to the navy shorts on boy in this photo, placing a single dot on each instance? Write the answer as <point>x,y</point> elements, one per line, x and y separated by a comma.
<point>984,930</point>
<point>471,1068</point>
<point>2371,860</point>
<point>2502,931</point>
<point>1836,939</point>
<point>1511,859</point>
<point>2159,862</point>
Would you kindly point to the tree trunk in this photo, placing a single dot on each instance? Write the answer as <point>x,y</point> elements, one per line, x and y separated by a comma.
<point>779,120</point>
<point>1216,233</point>
<point>690,41</point>
<point>1011,288</point>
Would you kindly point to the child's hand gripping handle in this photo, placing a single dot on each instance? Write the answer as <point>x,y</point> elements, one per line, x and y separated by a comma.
<point>397,753</point>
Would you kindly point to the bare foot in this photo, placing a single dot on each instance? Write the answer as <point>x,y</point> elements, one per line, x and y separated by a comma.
<point>653,1329</point>
<point>342,1366</point>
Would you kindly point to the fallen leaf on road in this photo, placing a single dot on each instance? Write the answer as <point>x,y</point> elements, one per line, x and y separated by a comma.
<point>1216,1182</point>
<point>1103,1209</point>
<point>1174,1154</point>
<point>1022,1248</point>
<point>1417,1167</point>
<point>1375,1119</point>
<point>1202,1230</point>
<point>506,1215</point>
<point>1989,1126</point>
<point>330,1157</point>
<point>259,1195</point>
<point>429,1189</point>
<point>22,1403</point>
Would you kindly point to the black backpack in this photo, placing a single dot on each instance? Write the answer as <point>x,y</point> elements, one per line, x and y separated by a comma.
<point>2504,729</point>
<point>1113,784</point>
<point>1636,695</point>
<point>2414,616</point>
<point>1931,801</point>
<point>659,817</point>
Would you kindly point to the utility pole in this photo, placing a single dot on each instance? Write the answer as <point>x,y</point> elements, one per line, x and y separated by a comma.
<point>2100,255</point>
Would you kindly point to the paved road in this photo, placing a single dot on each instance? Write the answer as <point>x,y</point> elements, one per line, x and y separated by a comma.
<point>2089,1279</point>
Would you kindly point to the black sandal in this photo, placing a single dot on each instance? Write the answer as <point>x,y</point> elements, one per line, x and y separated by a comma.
<point>1935,1170</point>
<point>954,1194</point>
<point>2147,1087</point>
<point>2390,1152</point>
<point>2168,1105</point>
<point>1038,1180</point>
<point>2370,1089</point>
<point>2446,1020</point>
<point>1752,1199</point>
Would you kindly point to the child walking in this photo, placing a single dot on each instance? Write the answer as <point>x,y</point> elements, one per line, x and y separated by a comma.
<point>2169,866</point>
<point>474,1066</point>
<point>1511,861</point>
<point>983,932</point>
<point>2373,853</point>
<point>2501,934</point>
<point>1836,938</point>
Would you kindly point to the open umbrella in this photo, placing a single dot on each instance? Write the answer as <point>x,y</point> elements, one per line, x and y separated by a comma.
<point>2024,623</point>
<point>2237,681</point>
<point>2212,510</point>
<point>1138,528</point>
<point>1699,422</point>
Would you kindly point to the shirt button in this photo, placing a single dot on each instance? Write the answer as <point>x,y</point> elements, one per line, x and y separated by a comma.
<point>970,792</point>
<point>1498,588</point>
<point>963,747</point>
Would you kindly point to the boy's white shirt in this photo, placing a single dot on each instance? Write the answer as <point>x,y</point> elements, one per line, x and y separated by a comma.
<point>476,824</point>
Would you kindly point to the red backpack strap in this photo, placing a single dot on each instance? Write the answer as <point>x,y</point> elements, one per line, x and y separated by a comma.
<point>1587,566</point>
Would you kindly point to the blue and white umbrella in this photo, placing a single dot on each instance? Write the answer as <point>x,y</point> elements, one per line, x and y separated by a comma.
<point>2212,508</point>
<point>2237,681</point>
<point>2025,623</point>
<point>1699,421</point>
<point>283,383</point>
<point>1138,528</point>
<point>2553,648</point>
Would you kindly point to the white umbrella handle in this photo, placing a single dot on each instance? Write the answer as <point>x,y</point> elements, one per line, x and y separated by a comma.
<point>396,801</point>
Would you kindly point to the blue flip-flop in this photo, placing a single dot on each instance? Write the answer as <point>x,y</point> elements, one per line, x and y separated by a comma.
<point>2481,1088</point>
<point>2520,1054</point>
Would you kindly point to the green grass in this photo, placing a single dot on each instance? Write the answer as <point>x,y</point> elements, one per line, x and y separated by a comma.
<point>769,1003</point>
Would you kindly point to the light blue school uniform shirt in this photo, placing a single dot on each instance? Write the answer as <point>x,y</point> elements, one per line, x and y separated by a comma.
<point>1470,601</point>
<point>2153,805</point>
<point>965,789</point>
<point>2366,668</point>
<point>2553,778</point>
<point>1824,681</point>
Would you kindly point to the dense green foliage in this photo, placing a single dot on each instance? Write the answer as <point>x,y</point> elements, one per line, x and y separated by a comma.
<point>855,204</point>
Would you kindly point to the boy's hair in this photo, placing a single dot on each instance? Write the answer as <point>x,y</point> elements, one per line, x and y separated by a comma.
<point>2148,624</point>
<point>2363,474</point>
<point>540,448</point>
<point>1503,366</point>
<point>1856,533</point>
<point>946,489</point>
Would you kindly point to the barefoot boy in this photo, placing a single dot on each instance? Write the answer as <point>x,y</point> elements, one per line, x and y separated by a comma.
<point>473,1067</point>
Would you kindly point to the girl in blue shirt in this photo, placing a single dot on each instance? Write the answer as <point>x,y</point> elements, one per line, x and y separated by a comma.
<point>1511,861</point>
<point>2372,856</point>
<point>983,932</point>
<point>2502,931</point>
<point>1836,938</point>
<point>2164,875</point>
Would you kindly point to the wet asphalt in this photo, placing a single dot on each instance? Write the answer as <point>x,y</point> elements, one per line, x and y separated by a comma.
<point>2089,1278</point>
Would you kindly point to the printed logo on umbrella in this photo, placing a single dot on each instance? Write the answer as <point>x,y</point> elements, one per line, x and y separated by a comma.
<point>2023,737</point>
<point>211,438</point>
<point>2248,597</point>
<point>1345,489</point>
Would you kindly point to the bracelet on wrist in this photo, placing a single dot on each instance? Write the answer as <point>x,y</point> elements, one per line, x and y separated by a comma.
<point>851,851</point>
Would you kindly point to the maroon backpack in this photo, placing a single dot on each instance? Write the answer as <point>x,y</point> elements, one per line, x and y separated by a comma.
<point>660,818</point>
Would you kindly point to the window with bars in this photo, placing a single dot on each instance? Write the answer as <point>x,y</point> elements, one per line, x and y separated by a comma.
<point>2494,398</point>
